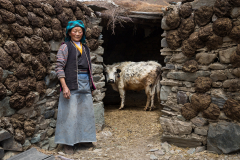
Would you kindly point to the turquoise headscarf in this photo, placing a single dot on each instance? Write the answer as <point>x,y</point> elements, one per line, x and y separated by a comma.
<point>71,25</point>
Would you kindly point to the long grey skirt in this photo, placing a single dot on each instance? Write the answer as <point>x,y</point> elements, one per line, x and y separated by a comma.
<point>75,119</point>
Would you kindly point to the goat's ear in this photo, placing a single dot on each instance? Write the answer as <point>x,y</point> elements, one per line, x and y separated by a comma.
<point>104,65</point>
<point>118,70</point>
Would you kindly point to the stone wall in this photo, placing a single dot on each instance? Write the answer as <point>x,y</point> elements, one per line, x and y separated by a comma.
<point>31,32</point>
<point>200,82</point>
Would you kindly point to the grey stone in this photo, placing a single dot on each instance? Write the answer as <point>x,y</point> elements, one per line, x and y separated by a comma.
<point>55,45</point>
<point>1,152</point>
<point>98,58</point>
<point>5,75</point>
<point>96,78</point>
<point>180,117</point>
<point>99,85</point>
<point>50,131</point>
<point>49,114</point>
<point>235,12</point>
<point>5,109</point>
<point>191,151</point>
<point>175,127</point>
<point>11,145</point>
<point>4,134</point>
<point>183,76</point>
<point>160,152</point>
<point>170,82</point>
<point>223,137</point>
<point>201,131</point>
<point>178,58</point>
<point>36,138</point>
<point>52,144</point>
<point>53,57</point>
<point>218,75</point>
<point>153,150</point>
<point>229,73</point>
<point>199,121</point>
<point>199,3</point>
<point>41,102</point>
<point>165,91</point>
<point>217,66</point>
<point>99,50</point>
<point>10,154</point>
<point>218,101</point>
<point>182,97</point>
<point>192,89</point>
<point>164,43</point>
<point>53,123</point>
<point>99,115</point>
<point>167,59</point>
<point>214,18</point>
<point>225,55</point>
<point>200,149</point>
<point>99,97</point>
<point>236,72</point>
<point>222,116</point>
<point>28,112</point>
<point>153,157</point>
<point>43,143</point>
<point>217,84</point>
<point>97,69</point>
<point>46,147</point>
<point>164,24</point>
<point>205,58</point>
<point>187,84</point>
<point>165,146</point>
<point>51,104</point>
<point>56,113</point>
<point>42,134</point>
<point>230,82</point>
<point>26,145</point>
<point>51,79</point>
<point>44,124</point>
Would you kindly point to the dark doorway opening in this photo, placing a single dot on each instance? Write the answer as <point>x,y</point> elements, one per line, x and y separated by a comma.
<point>133,42</point>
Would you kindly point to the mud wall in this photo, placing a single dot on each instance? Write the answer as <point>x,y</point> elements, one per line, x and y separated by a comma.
<point>31,32</point>
<point>200,82</point>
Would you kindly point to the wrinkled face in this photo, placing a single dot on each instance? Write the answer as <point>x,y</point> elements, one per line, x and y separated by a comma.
<point>76,34</point>
<point>112,73</point>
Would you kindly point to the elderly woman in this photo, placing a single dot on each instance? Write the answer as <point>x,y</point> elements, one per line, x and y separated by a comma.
<point>75,120</point>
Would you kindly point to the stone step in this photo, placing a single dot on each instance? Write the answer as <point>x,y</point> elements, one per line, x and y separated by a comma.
<point>32,154</point>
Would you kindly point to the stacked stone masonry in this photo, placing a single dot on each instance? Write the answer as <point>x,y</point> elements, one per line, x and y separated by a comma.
<point>200,82</point>
<point>31,32</point>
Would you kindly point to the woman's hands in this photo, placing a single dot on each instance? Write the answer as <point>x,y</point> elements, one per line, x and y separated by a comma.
<point>66,92</point>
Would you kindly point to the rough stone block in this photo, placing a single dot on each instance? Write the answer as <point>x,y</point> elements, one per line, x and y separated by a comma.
<point>235,12</point>
<point>182,97</point>
<point>4,134</point>
<point>97,69</point>
<point>205,58</point>
<point>178,58</point>
<point>5,109</point>
<point>165,91</point>
<point>176,127</point>
<point>198,121</point>
<point>201,130</point>
<point>199,3</point>
<point>11,145</point>
<point>187,76</point>
<point>164,43</point>
<point>217,66</point>
<point>99,50</point>
<point>223,137</point>
<point>99,115</point>
<point>225,55</point>
<point>55,45</point>
<point>170,82</point>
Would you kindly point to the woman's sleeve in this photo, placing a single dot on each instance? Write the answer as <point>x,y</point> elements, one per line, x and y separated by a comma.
<point>62,56</point>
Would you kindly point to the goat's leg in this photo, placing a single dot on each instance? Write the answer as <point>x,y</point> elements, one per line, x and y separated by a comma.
<point>152,98</point>
<point>122,96</point>
<point>147,91</point>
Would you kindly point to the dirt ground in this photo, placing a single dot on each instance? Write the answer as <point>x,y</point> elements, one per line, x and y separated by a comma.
<point>130,134</point>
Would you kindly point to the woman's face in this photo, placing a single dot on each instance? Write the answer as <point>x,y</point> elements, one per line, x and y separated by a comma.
<point>76,34</point>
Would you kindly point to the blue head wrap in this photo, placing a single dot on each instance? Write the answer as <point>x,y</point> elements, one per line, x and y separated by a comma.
<point>71,25</point>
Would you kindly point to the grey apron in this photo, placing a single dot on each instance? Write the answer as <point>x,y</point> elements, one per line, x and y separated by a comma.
<point>75,119</point>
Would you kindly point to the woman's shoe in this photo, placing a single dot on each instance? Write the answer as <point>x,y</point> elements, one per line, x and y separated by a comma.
<point>68,149</point>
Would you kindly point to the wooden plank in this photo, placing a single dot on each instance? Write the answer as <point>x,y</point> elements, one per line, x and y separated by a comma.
<point>156,14</point>
<point>144,17</point>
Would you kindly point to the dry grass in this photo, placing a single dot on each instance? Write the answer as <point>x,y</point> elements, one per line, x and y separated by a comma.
<point>139,6</point>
